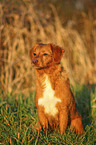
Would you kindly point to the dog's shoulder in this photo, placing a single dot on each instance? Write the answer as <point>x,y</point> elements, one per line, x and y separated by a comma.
<point>64,75</point>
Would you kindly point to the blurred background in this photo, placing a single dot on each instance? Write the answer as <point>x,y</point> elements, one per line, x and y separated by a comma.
<point>70,24</point>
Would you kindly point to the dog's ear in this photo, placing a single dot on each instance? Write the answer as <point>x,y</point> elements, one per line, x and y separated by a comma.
<point>57,53</point>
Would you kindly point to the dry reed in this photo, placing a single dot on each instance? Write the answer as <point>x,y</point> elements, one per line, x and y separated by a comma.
<point>20,31</point>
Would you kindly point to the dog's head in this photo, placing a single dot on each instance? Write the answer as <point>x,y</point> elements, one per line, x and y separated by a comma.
<point>45,55</point>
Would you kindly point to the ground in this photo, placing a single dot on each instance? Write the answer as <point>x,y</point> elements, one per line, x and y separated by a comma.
<point>18,115</point>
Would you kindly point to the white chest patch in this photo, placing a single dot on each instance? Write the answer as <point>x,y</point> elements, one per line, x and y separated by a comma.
<point>48,100</point>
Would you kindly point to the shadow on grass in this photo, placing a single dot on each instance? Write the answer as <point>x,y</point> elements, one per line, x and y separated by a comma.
<point>83,102</point>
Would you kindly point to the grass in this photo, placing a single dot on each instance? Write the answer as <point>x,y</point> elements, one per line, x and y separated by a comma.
<point>18,114</point>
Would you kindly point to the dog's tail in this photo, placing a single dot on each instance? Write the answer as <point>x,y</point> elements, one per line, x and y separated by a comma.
<point>77,125</point>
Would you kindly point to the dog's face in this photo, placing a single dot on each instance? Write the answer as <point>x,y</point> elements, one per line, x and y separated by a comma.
<point>45,55</point>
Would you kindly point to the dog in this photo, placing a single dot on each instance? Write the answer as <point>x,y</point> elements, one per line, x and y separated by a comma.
<point>53,99</point>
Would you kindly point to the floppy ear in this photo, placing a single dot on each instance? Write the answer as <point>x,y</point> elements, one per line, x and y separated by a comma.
<point>57,53</point>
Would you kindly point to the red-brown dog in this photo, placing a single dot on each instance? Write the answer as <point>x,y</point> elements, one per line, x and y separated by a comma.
<point>54,100</point>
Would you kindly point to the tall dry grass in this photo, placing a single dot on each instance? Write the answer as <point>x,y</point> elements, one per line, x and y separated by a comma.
<point>26,26</point>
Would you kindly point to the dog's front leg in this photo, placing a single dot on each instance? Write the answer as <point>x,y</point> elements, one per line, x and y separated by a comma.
<point>42,119</point>
<point>63,116</point>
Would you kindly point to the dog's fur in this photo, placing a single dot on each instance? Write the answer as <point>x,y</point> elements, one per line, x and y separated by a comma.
<point>54,100</point>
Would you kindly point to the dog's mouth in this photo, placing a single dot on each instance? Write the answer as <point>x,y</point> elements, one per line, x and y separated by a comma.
<point>37,65</point>
<point>40,67</point>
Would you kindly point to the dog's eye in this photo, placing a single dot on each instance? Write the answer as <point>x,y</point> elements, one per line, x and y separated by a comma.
<point>45,54</point>
<point>34,54</point>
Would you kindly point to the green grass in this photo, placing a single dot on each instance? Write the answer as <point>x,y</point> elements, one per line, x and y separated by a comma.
<point>18,114</point>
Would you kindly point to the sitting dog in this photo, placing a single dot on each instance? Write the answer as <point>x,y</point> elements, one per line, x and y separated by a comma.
<point>54,100</point>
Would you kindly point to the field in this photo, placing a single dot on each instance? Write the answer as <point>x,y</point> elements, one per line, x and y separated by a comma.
<point>18,115</point>
<point>70,24</point>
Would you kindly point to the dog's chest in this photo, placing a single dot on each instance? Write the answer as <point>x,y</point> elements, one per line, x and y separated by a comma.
<point>48,99</point>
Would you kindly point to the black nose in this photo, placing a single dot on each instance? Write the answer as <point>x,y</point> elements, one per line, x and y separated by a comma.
<point>35,61</point>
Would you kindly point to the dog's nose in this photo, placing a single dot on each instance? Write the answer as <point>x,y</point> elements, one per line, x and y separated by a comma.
<point>35,61</point>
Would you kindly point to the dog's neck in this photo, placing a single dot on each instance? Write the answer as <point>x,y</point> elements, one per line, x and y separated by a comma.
<point>53,72</point>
